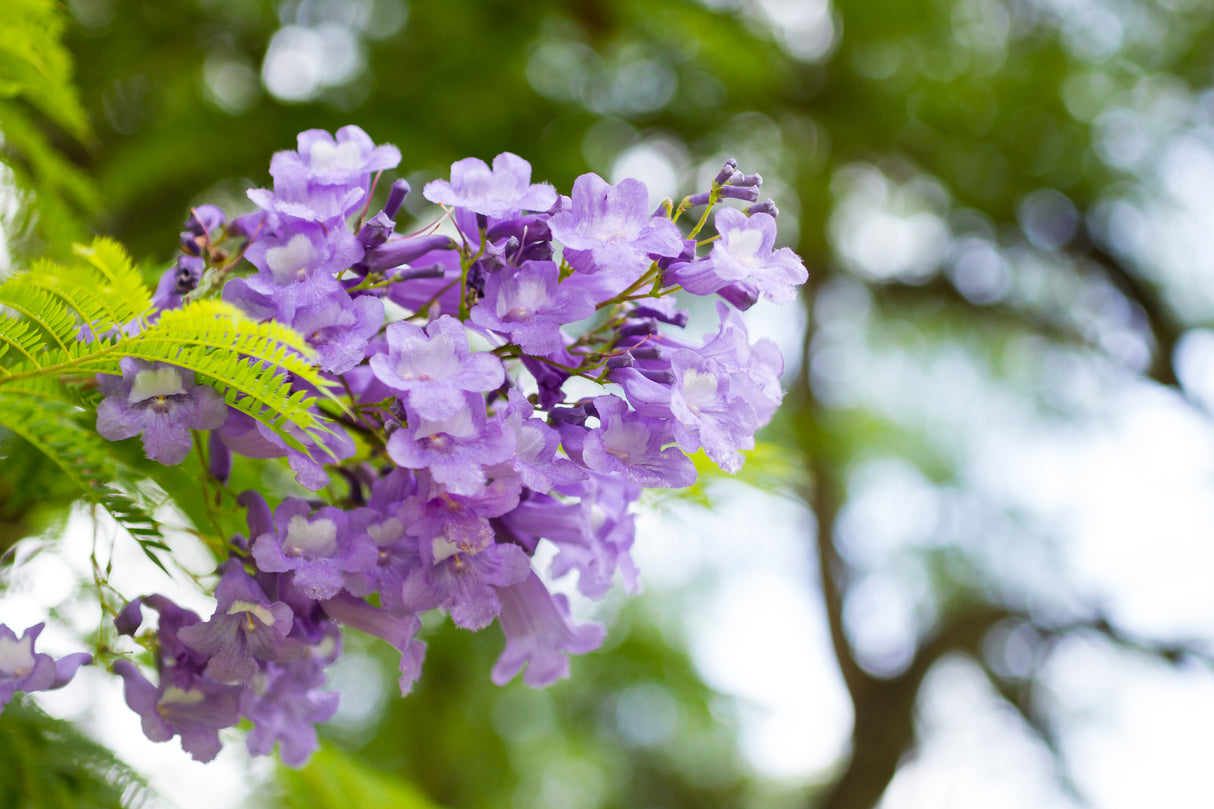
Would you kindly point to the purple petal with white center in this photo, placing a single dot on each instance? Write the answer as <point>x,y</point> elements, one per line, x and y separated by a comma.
<point>500,192</point>
<point>162,402</point>
<point>315,548</point>
<point>182,705</point>
<point>609,228</point>
<point>21,668</point>
<point>531,303</point>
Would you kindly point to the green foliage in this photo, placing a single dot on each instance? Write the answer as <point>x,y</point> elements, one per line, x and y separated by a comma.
<point>46,763</point>
<point>334,780</point>
<point>46,389</point>
<point>35,86</point>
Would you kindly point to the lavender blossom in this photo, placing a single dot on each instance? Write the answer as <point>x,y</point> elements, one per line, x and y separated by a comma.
<point>609,229</point>
<point>339,328</point>
<point>539,633</point>
<point>246,628</point>
<point>315,548</point>
<point>434,367</point>
<point>323,160</point>
<point>184,705</point>
<point>285,704</point>
<point>162,402</point>
<point>23,669</point>
<point>530,304</point>
<point>454,450</point>
<point>501,192</point>
<point>630,444</point>
<point>744,253</point>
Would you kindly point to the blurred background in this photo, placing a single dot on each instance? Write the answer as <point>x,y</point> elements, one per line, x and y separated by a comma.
<point>970,564</point>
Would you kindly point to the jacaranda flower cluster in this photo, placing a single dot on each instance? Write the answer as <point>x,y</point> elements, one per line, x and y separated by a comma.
<point>512,373</point>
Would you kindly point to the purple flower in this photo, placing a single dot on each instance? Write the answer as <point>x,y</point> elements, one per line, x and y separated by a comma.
<point>322,160</point>
<point>162,402</point>
<point>245,629</point>
<point>456,450</point>
<point>609,228</point>
<point>744,253</point>
<point>286,703</point>
<point>630,444</point>
<point>593,536</point>
<point>706,412</point>
<point>23,669</point>
<point>203,221</point>
<point>450,523</point>
<point>434,367</point>
<point>299,252</point>
<point>326,178</point>
<point>339,328</point>
<point>535,458</point>
<point>398,630</point>
<point>315,549</point>
<point>539,633</point>
<point>529,305</point>
<point>754,370</point>
<point>501,192</point>
<point>184,705</point>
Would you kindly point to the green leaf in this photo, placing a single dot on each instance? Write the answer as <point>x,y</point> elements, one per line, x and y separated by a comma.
<point>333,780</point>
<point>33,414</point>
<point>46,763</point>
<point>244,360</point>
<point>36,87</point>
<point>35,65</point>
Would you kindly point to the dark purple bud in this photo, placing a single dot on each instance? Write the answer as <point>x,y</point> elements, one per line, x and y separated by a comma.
<point>620,361</point>
<point>249,225</point>
<point>129,620</point>
<point>526,228</point>
<point>744,193</point>
<point>576,415</point>
<point>741,294</point>
<point>401,251</point>
<point>726,172</point>
<point>549,378</point>
<point>698,199</point>
<point>433,271</point>
<point>187,272</point>
<point>476,278</point>
<point>376,231</point>
<point>677,317</point>
<point>641,329</point>
<point>646,352</point>
<point>535,251</point>
<point>767,206</point>
<point>497,257</point>
<point>219,458</point>
<point>258,518</point>
<point>746,180</point>
<point>661,376</point>
<point>396,196</point>
<point>203,220</point>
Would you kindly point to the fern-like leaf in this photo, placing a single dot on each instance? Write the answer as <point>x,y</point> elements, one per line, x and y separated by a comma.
<point>34,414</point>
